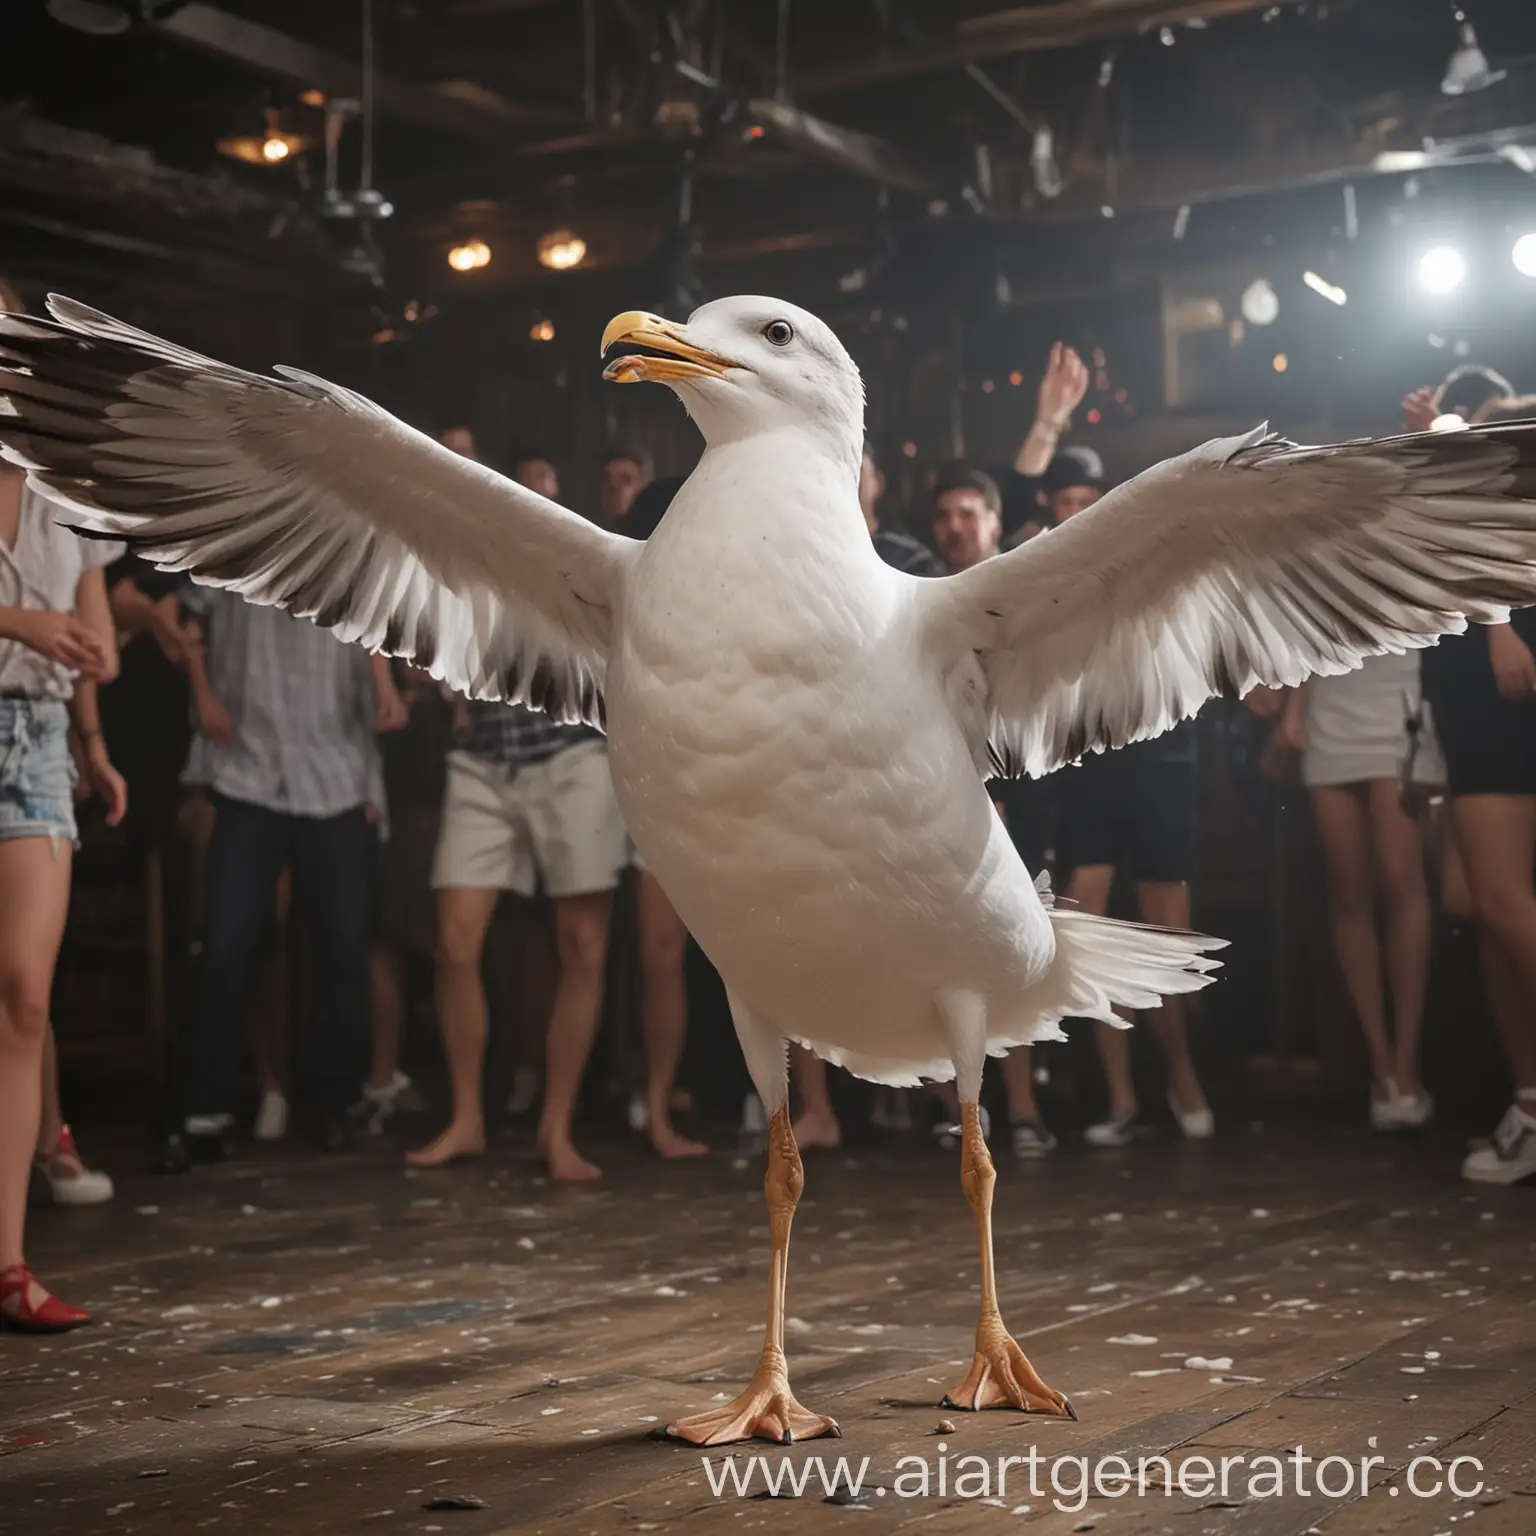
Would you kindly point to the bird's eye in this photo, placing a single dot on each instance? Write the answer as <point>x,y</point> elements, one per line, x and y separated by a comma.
<point>779,332</point>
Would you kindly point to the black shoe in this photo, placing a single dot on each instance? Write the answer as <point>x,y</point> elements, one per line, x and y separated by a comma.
<point>335,1133</point>
<point>172,1156</point>
<point>183,1151</point>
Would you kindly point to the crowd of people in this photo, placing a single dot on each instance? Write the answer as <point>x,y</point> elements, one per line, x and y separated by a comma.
<point>350,798</point>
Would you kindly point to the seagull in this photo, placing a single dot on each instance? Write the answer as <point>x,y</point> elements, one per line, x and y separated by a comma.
<point>798,734</point>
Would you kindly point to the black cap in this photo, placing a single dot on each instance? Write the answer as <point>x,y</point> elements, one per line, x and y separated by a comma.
<point>1074,466</point>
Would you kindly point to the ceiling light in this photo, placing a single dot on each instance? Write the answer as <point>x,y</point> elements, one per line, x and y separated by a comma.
<point>1443,269</point>
<point>312,97</point>
<point>1322,287</point>
<point>269,148</point>
<point>1043,166</point>
<point>1467,69</point>
<point>561,250</point>
<point>542,330</point>
<point>1524,255</point>
<point>470,255</point>
<point>1260,303</point>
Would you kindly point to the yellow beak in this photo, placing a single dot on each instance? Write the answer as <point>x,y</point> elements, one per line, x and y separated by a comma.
<point>684,360</point>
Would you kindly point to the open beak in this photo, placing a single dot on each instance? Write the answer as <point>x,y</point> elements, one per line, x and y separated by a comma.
<point>683,360</point>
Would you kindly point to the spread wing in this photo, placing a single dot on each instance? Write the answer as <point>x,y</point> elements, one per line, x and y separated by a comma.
<point>298,493</point>
<point>1248,561</point>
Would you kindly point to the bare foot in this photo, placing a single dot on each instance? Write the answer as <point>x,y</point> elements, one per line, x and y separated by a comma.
<point>565,1162</point>
<point>456,1142</point>
<point>667,1143</point>
<point>818,1130</point>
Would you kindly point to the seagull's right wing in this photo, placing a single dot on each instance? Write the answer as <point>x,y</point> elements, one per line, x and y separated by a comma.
<point>298,493</point>
<point>1247,561</point>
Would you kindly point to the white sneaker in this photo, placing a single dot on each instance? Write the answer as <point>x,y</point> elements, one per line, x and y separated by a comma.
<point>754,1119</point>
<point>69,1181</point>
<point>1401,1111</point>
<point>271,1116</point>
<point>1031,1140</point>
<point>1511,1157</point>
<point>380,1103</point>
<point>1197,1124</point>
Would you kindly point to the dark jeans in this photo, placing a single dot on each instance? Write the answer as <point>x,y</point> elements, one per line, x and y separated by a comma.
<point>333,859</point>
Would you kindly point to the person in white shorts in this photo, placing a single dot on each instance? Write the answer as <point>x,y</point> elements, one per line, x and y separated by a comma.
<point>528,804</point>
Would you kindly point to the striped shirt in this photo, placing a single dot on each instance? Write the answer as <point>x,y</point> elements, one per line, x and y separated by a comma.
<point>42,570</point>
<point>303,706</point>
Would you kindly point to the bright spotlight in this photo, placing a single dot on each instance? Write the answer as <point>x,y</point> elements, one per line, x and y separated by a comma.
<point>1524,255</point>
<point>1442,270</point>
<point>1324,289</point>
<point>1260,303</point>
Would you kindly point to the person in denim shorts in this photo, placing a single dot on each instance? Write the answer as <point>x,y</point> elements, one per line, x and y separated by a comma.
<point>56,644</point>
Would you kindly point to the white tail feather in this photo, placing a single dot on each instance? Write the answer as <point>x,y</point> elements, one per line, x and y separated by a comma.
<point>1102,964</point>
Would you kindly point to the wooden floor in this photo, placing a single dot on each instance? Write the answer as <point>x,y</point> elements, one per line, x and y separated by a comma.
<point>296,1345</point>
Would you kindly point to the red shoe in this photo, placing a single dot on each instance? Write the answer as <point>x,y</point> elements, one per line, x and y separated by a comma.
<point>20,1316</point>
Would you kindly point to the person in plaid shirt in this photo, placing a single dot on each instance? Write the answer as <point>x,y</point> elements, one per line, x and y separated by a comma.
<point>528,804</point>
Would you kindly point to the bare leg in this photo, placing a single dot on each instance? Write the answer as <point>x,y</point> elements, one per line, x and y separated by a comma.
<point>1344,828</point>
<point>1496,835</point>
<point>1166,903</point>
<point>581,943</point>
<point>664,1011</point>
<point>1019,1083</point>
<point>1399,855</point>
<point>1000,1375</point>
<point>386,990</point>
<point>34,898</point>
<point>51,1124</point>
<point>818,1124</point>
<point>767,1408</point>
<point>463,915</point>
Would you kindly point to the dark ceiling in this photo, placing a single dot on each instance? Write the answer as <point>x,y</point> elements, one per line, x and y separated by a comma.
<point>675,136</point>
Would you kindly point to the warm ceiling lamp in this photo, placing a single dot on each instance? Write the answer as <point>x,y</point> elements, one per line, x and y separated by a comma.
<point>312,97</point>
<point>561,250</point>
<point>271,148</point>
<point>542,330</point>
<point>469,256</point>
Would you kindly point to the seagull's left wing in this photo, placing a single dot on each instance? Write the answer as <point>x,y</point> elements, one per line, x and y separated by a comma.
<point>298,493</point>
<point>1248,561</point>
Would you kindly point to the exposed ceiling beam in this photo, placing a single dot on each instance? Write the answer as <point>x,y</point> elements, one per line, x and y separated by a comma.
<point>460,108</point>
<point>861,153</point>
<point>1033,29</point>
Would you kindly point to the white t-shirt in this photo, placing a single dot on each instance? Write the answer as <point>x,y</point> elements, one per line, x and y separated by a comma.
<point>41,572</point>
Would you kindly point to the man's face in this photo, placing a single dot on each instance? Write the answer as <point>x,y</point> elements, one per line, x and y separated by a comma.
<point>538,475</point>
<point>1072,499</point>
<point>871,489</point>
<point>965,529</point>
<point>461,440</point>
<point>621,482</point>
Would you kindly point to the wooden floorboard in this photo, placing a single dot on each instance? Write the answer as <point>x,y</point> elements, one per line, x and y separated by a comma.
<point>296,1345</point>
